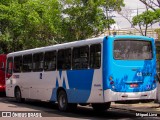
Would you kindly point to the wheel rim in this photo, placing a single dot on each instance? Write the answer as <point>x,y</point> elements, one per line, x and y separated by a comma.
<point>62,101</point>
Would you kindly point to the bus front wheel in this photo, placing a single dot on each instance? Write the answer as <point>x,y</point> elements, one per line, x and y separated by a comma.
<point>18,95</point>
<point>62,101</point>
<point>63,104</point>
<point>101,106</point>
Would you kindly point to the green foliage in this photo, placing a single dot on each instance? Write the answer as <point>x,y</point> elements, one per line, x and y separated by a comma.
<point>146,19</point>
<point>29,23</point>
<point>82,20</point>
<point>26,24</point>
<point>87,18</point>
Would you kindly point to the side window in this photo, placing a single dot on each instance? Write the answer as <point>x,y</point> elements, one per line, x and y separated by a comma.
<point>80,57</point>
<point>50,61</point>
<point>37,62</point>
<point>95,56</point>
<point>64,59</point>
<point>27,63</point>
<point>9,66</point>
<point>17,64</point>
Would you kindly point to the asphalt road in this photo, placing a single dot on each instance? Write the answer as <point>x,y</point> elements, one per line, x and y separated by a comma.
<point>50,111</point>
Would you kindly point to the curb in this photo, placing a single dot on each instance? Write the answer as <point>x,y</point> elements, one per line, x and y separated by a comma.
<point>140,108</point>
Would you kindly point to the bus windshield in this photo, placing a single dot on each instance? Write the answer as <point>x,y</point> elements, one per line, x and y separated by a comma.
<point>132,50</point>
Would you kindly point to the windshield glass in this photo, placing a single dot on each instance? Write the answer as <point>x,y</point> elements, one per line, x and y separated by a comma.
<point>132,50</point>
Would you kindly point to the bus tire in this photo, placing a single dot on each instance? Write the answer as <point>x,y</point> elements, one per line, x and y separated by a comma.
<point>101,106</point>
<point>18,95</point>
<point>62,101</point>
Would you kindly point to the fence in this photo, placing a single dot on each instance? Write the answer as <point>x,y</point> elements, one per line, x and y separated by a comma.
<point>150,32</point>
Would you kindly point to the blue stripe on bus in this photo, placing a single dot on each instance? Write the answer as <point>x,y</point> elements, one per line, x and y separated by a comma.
<point>80,83</point>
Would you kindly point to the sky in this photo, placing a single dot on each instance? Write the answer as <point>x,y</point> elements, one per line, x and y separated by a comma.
<point>122,23</point>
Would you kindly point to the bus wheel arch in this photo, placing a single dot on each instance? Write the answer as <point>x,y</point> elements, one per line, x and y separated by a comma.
<point>58,91</point>
<point>18,95</point>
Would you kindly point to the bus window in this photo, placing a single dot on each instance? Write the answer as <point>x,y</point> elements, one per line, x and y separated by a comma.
<point>37,62</point>
<point>50,61</point>
<point>27,63</point>
<point>17,64</point>
<point>80,57</point>
<point>95,56</point>
<point>9,67</point>
<point>64,59</point>
<point>132,50</point>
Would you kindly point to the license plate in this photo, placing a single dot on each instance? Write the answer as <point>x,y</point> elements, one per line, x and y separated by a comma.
<point>133,85</point>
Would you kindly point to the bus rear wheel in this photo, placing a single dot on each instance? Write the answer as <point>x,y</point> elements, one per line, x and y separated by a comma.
<point>101,106</point>
<point>18,95</point>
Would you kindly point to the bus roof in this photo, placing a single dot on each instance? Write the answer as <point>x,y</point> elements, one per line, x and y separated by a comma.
<point>59,46</point>
<point>78,43</point>
<point>138,37</point>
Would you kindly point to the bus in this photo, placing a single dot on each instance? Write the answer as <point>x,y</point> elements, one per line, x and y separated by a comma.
<point>2,73</point>
<point>93,72</point>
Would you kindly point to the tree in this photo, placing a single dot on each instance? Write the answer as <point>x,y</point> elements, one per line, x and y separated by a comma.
<point>127,14</point>
<point>41,22</point>
<point>146,19</point>
<point>84,19</point>
<point>151,3</point>
<point>158,3</point>
<point>111,5</point>
<point>29,23</point>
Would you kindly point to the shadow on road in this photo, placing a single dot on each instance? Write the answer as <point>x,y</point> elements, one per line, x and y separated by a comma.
<point>2,94</point>
<point>51,110</point>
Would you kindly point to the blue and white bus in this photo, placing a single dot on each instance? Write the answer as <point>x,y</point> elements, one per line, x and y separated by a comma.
<point>95,71</point>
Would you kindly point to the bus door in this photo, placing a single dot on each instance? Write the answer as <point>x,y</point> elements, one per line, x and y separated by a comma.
<point>9,81</point>
<point>26,75</point>
<point>36,88</point>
